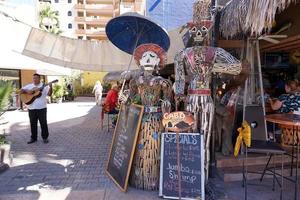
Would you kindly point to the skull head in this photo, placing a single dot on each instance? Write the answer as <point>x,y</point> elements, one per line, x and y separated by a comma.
<point>150,57</point>
<point>201,25</point>
<point>149,60</point>
<point>197,33</point>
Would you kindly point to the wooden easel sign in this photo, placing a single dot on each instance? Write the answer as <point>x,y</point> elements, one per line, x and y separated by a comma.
<point>191,169</point>
<point>123,144</point>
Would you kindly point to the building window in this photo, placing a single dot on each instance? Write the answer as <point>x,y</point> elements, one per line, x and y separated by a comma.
<point>69,26</point>
<point>56,1</point>
<point>69,1</point>
<point>69,13</point>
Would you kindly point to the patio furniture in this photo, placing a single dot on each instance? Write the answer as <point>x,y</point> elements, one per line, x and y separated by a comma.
<point>260,144</point>
<point>292,120</point>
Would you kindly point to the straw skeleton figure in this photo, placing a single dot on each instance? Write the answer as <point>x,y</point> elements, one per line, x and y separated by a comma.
<point>199,61</point>
<point>155,94</point>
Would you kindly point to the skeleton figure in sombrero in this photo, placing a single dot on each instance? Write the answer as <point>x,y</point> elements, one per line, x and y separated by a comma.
<point>155,94</point>
<point>199,61</point>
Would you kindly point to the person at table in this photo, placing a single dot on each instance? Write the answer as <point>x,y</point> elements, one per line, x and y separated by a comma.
<point>288,102</point>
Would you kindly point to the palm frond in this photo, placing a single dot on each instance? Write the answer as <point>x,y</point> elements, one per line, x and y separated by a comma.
<point>250,16</point>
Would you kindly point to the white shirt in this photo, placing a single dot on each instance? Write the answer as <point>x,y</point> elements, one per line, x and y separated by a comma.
<point>41,102</point>
<point>98,89</point>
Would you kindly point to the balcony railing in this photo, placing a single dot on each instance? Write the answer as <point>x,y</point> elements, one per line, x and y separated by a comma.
<point>99,10</point>
<point>91,21</point>
<point>100,1</point>
<point>91,32</point>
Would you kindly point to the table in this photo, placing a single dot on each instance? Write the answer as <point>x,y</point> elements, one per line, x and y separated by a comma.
<point>290,120</point>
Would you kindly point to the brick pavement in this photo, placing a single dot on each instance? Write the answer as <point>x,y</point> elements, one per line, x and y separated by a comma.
<point>71,164</point>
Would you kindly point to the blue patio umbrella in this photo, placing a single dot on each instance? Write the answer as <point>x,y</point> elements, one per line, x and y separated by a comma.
<point>132,29</point>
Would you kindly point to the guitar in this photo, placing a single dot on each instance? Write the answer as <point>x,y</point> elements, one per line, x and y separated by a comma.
<point>29,98</point>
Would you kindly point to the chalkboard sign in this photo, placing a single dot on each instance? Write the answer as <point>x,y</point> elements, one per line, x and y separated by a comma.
<point>123,144</point>
<point>191,159</point>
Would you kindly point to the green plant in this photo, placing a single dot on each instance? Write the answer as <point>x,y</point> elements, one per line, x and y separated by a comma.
<point>85,90</point>
<point>48,20</point>
<point>2,140</point>
<point>5,91</point>
<point>58,92</point>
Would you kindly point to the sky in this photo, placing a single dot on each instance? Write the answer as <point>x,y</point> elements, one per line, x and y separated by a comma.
<point>170,14</point>
<point>23,2</point>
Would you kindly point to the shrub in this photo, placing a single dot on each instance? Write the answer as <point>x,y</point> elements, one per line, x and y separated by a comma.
<point>5,91</point>
<point>57,93</point>
<point>85,90</point>
<point>2,140</point>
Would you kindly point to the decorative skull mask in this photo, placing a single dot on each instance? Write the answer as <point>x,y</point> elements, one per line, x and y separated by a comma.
<point>197,33</point>
<point>150,56</point>
<point>149,60</point>
<point>199,29</point>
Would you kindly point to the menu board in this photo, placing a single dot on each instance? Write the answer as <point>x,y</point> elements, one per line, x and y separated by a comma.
<point>123,144</point>
<point>191,159</point>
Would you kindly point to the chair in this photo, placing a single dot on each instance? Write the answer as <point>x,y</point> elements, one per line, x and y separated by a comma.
<point>260,144</point>
<point>109,118</point>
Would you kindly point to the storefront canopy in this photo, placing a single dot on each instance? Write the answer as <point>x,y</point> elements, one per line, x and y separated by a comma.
<point>120,75</point>
<point>85,54</point>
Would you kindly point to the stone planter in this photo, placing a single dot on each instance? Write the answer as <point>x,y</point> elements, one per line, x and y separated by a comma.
<point>5,158</point>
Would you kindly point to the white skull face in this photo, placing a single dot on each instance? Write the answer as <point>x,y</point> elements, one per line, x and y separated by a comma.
<point>149,60</point>
<point>199,33</point>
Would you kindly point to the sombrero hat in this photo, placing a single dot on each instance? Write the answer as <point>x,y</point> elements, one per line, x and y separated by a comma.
<point>160,52</point>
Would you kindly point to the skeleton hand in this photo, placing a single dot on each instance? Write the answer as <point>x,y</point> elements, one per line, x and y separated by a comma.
<point>165,106</point>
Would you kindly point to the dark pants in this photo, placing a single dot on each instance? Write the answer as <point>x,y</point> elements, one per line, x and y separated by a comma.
<point>41,116</point>
<point>114,111</point>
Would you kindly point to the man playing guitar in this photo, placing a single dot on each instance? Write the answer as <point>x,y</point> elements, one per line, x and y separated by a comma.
<point>38,108</point>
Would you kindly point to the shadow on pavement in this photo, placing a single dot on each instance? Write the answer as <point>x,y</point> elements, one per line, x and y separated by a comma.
<point>74,158</point>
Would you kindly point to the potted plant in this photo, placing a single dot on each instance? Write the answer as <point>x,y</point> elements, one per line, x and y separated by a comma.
<point>5,91</point>
<point>57,94</point>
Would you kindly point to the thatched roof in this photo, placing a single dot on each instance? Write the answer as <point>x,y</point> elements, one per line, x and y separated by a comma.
<point>250,16</point>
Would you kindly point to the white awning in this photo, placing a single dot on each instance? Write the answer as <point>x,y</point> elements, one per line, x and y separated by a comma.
<point>67,52</point>
<point>12,37</point>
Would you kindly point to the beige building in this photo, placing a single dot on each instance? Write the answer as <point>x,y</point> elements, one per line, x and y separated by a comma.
<point>93,15</point>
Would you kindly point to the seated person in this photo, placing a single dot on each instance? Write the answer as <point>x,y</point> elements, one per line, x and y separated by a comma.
<point>289,102</point>
<point>111,102</point>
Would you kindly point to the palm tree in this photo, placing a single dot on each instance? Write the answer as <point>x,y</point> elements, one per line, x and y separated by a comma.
<point>48,20</point>
<point>5,91</point>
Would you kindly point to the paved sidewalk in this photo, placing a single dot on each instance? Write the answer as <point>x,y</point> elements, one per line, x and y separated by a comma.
<point>70,166</point>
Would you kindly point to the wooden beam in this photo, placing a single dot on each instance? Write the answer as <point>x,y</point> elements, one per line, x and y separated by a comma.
<point>282,46</point>
<point>282,43</point>
<point>291,48</point>
<point>230,43</point>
